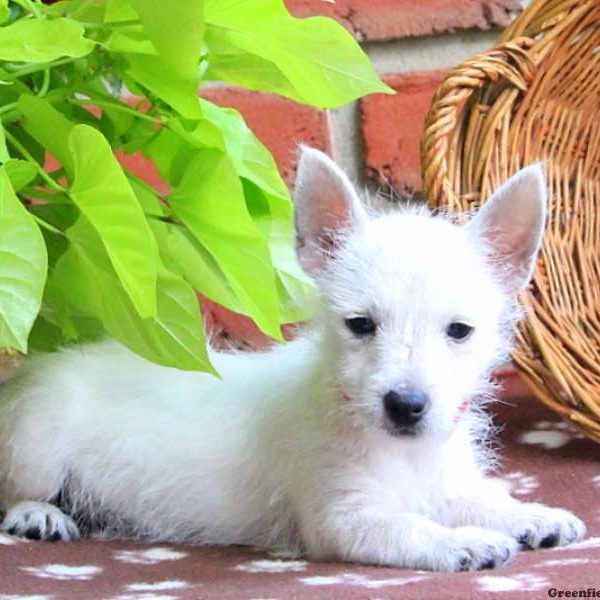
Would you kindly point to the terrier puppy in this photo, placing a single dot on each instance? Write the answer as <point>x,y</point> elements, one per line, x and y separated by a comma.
<point>360,441</point>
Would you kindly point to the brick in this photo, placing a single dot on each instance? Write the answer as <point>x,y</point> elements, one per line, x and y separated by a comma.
<point>511,385</point>
<point>143,168</point>
<point>231,330</point>
<point>388,19</point>
<point>279,123</point>
<point>392,128</point>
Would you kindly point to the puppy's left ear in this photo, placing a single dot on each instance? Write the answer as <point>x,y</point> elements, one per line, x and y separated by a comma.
<point>512,224</point>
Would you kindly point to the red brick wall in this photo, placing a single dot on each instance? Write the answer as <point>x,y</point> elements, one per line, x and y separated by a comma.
<point>390,19</point>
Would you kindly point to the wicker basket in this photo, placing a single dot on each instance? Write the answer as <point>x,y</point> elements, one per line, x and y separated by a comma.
<point>535,97</point>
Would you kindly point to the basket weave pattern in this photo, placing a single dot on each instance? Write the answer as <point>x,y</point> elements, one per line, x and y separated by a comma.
<point>536,97</point>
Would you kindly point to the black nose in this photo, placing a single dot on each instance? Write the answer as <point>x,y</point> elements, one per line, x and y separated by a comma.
<point>405,408</point>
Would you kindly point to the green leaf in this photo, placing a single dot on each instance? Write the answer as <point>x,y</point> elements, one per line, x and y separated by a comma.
<point>140,134</point>
<point>23,269</point>
<point>4,11</point>
<point>20,172</point>
<point>210,202</point>
<point>171,155</point>
<point>131,40</point>
<point>45,336</point>
<point>175,29</point>
<point>58,310</point>
<point>119,10</point>
<point>274,215</point>
<point>146,196</point>
<point>174,337</point>
<point>84,10</point>
<point>184,255</point>
<point>43,40</point>
<point>102,192</point>
<point>4,155</point>
<point>252,160</point>
<point>266,195</point>
<point>61,213</point>
<point>36,151</point>
<point>175,33</point>
<point>58,9</point>
<point>48,127</point>
<point>116,121</point>
<point>156,75</point>
<point>258,44</point>
<point>223,129</point>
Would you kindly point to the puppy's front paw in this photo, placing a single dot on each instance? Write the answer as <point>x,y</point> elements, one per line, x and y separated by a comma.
<point>472,549</point>
<point>39,521</point>
<point>539,526</point>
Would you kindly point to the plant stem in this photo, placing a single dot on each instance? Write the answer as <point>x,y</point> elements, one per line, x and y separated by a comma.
<point>163,219</point>
<point>115,106</point>
<point>18,73</point>
<point>113,25</point>
<point>7,108</point>
<point>47,225</point>
<point>49,180</point>
<point>31,7</point>
<point>45,83</point>
<point>10,116</point>
<point>38,193</point>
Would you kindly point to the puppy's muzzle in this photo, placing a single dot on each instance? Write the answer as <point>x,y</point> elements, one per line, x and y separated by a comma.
<point>405,409</point>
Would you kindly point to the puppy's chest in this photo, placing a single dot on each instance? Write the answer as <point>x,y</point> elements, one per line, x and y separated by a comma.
<point>414,484</point>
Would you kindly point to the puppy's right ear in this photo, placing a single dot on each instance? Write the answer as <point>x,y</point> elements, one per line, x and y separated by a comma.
<point>326,207</point>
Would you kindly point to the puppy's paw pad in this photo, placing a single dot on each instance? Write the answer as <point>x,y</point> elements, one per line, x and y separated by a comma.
<point>475,548</point>
<point>538,526</point>
<point>39,521</point>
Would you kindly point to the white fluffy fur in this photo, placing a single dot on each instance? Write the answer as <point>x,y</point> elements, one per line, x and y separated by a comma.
<point>292,449</point>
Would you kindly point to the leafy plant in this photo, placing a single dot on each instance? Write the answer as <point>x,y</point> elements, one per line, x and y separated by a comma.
<point>86,247</point>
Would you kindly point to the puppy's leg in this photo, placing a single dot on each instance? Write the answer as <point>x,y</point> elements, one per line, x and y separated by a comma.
<point>532,525</point>
<point>39,521</point>
<point>366,532</point>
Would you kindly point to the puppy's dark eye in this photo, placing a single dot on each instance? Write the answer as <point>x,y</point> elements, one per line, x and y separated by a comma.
<point>361,325</point>
<point>459,331</point>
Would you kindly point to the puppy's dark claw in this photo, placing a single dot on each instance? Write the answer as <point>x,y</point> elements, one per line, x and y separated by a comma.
<point>550,541</point>
<point>33,533</point>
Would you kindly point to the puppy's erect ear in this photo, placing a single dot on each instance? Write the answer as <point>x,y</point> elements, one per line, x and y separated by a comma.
<point>326,205</point>
<point>512,224</point>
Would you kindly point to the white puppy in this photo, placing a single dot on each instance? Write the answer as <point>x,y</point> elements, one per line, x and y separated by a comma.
<point>359,441</point>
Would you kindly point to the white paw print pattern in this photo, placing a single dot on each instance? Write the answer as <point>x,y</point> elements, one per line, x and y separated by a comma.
<point>272,566</point>
<point>148,591</point>
<point>24,597</point>
<point>357,580</point>
<point>523,582</point>
<point>7,540</point>
<point>596,481</point>
<point>566,562</point>
<point>592,542</point>
<point>521,484</point>
<point>64,572</point>
<point>151,556</point>
<point>550,434</point>
<point>146,596</point>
